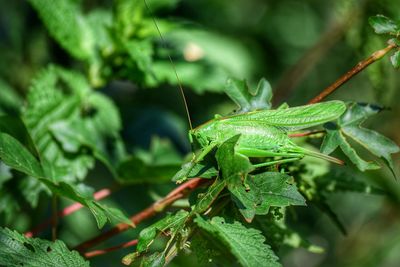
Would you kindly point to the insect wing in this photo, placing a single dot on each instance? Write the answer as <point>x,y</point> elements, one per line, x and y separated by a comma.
<point>296,118</point>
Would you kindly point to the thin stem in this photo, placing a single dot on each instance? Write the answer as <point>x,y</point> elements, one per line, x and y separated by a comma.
<point>308,133</point>
<point>99,252</point>
<point>348,75</point>
<point>180,192</point>
<point>103,193</point>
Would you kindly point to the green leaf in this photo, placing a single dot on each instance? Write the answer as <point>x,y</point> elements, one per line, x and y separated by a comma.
<point>249,99</point>
<point>67,24</point>
<point>263,191</point>
<point>18,250</point>
<point>141,52</point>
<point>206,168</point>
<point>55,95</point>
<point>65,118</point>
<point>395,59</point>
<point>182,174</point>
<point>383,25</point>
<point>15,155</point>
<point>173,222</point>
<point>246,244</point>
<point>374,142</point>
<point>209,196</point>
<point>349,127</point>
<point>11,192</point>
<point>254,194</point>
<point>334,139</point>
<point>101,212</point>
<point>15,127</point>
<point>230,163</point>
<point>355,158</point>
<point>203,169</point>
<point>156,259</point>
<point>206,250</point>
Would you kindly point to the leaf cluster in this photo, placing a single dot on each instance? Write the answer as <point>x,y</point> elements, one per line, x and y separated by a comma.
<point>386,26</point>
<point>260,197</point>
<point>52,139</point>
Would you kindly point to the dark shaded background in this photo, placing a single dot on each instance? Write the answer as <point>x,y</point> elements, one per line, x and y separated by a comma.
<point>300,47</point>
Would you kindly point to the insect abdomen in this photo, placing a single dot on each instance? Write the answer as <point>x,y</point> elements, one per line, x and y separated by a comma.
<point>254,136</point>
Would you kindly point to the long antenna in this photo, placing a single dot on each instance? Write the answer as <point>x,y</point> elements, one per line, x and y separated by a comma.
<point>172,64</point>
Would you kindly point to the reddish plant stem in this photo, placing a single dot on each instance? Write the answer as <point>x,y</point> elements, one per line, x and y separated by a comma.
<point>103,193</point>
<point>180,192</point>
<point>99,252</point>
<point>308,133</point>
<point>348,75</point>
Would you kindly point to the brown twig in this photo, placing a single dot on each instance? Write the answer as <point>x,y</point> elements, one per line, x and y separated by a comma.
<point>180,192</point>
<point>308,133</point>
<point>356,69</point>
<point>99,252</point>
<point>103,193</point>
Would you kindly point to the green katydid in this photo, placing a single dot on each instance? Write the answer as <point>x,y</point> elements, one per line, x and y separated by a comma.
<point>263,133</point>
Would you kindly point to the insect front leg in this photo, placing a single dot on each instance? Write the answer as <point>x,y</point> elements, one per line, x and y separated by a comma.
<point>183,174</point>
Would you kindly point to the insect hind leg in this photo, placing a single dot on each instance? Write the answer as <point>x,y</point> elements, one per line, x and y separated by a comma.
<point>274,162</point>
<point>261,153</point>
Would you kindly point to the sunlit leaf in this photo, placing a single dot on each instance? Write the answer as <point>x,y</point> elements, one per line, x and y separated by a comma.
<point>15,155</point>
<point>383,25</point>
<point>148,234</point>
<point>249,99</point>
<point>67,25</point>
<point>262,191</point>
<point>246,244</point>
<point>395,59</point>
<point>18,250</point>
<point>349,128</point>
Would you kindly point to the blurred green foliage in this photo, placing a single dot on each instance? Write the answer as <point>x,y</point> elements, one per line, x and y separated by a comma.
<point>299,46</point>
